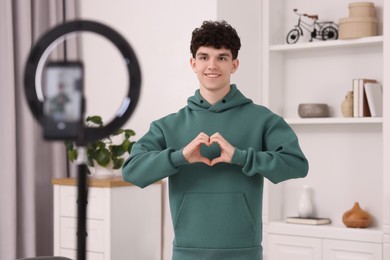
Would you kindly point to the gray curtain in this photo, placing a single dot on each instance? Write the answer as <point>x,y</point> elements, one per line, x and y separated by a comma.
<point>28,163</point>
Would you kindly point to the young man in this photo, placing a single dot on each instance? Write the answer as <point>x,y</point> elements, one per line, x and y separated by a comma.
<point>216,152</point>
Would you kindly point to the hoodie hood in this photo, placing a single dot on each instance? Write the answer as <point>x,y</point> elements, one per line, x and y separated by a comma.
<point>233,99</point>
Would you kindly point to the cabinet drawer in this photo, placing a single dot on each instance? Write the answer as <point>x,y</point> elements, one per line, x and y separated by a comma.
<point>68,201</point>
<point>346,250</point>
<point>72,254</point>
<point>293,248</point>
<point>95,231</point>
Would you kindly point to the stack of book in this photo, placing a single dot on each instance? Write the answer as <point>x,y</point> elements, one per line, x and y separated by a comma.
<point>367,98</point>
<point>308,221</point>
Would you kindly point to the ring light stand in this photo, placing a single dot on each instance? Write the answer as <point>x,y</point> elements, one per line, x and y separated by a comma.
<point>34,96</point>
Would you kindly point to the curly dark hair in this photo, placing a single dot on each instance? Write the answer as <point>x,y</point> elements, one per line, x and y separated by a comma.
<point>217,34</point>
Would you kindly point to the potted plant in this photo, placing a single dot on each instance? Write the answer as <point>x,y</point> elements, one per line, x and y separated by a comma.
<point>104,152</point>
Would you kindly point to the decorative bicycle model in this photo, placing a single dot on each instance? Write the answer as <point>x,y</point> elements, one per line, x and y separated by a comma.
<point>326,30</point>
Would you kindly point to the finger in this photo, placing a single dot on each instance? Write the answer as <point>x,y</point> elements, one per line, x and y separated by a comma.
<point>220,140</point>
<point>205,161</point>
<point>216,161</point>
<point>198,142</point>
<point>203,136</point>
<point>213,137</point>
<point>200,139</point>
<point>191,152</point>
<point>217,137</point>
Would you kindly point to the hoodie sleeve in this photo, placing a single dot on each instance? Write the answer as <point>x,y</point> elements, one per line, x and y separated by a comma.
<point>150,160</point>
<point>280,159</point>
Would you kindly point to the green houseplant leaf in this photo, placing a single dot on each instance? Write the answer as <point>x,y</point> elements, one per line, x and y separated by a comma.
<point>104,151</point>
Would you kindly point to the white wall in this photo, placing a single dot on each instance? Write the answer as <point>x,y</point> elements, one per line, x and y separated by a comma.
<point>245,16</point>
<point>160,33</point>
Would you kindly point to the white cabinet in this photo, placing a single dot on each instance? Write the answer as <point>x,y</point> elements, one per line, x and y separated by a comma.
<point>282,247</point>
<point>294,248</point>
<point>123,221</point>
<point>348,157</point>
<point>346,250</point>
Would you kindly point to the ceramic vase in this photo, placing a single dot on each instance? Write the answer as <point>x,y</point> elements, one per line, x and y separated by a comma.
<point>102,172</point>
<point>357,217</point>
<point>347,105</point>
<point>305,205</point>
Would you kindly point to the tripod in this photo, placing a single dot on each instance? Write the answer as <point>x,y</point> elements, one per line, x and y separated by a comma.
<point>82,201</point>
<point>32,82</point>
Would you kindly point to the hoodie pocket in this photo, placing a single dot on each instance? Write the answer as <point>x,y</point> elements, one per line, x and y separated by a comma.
<point>214,220</point>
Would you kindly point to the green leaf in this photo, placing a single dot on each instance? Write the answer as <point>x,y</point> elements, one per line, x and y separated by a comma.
<point>117,150</point>
<point>102,157</point>
<point>96,120</point>
<point>102,146</point>
<point>91,156</point>
<point>118,162</point>
<point>118,132</point>
<point>72,155</point>
<point>69,145</point>
<point>129,133</point>
<point>127,145</point>
<point>130,146</point>
<point>103,151</point>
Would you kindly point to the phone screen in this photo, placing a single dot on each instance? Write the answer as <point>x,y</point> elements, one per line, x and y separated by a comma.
<point>63,100</point>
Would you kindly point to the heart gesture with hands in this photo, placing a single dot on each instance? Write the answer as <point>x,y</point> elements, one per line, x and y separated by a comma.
<point>193,155</point>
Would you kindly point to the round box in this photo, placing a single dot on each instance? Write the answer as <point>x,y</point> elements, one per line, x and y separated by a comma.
<point>306,110</point>
<point>361,9</point>
<point>357,27</point>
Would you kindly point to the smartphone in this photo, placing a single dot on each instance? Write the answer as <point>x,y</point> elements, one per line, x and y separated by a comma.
<point>63,105</point>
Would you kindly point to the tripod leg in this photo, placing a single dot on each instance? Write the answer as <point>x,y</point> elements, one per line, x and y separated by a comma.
<point>82,205</point>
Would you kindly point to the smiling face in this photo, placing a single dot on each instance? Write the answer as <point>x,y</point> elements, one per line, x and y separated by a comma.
<point>214,68</point>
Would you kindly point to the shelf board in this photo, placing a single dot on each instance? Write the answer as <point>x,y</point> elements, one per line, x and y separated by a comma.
<point>367,41</point>
<point>334,120</point>
<point>326,231</point>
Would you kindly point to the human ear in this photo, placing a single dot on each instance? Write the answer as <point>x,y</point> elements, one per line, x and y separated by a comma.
<point>193,64</point>
<point>236,63</point>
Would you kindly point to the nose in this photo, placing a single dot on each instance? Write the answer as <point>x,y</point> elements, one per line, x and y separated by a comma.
<point>212,63</point>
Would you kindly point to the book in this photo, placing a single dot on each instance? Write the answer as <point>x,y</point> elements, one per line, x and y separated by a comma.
<point>374,94</point>
<point>360,104</point>
<point>364,111</point>
<point>308,221</point>
<point>355,90</point>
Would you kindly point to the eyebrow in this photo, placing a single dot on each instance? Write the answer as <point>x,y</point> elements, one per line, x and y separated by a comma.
<point>224,54</point>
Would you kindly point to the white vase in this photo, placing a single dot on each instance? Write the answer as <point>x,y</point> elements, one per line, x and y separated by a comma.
<point>102,172</point>
<point>305,205</point>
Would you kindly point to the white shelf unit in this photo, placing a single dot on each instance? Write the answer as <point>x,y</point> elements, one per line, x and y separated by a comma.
<point>347,156</point>
<point>335,120</point>
<point>360,42</point>
<point>123,221</point>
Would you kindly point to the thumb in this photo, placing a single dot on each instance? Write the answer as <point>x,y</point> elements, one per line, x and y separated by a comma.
<point>216,160</point>
<point>205,161</point>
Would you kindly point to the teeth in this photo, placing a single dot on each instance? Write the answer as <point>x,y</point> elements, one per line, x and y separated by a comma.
<point>212,75</point>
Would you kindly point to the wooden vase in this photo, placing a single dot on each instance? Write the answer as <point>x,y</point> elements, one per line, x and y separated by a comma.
<point>357,217</point>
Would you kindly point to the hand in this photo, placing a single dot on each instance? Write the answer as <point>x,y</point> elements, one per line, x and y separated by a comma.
<point>192,151</point>
<point>227,150</point>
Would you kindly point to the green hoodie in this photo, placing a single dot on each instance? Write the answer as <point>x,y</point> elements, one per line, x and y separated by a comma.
<point>216,211</point>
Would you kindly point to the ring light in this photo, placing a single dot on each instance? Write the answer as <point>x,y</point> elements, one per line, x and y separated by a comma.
<point>42,49</point>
